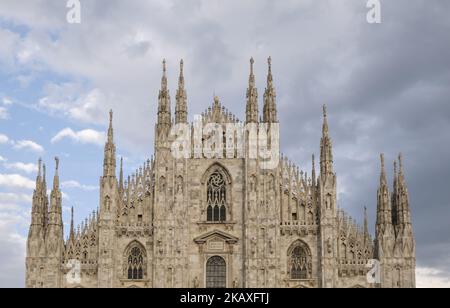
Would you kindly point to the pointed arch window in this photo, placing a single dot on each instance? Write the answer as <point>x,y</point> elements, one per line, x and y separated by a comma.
<point>216,198</point>
<point>135,262</point>
<point>299,261</point>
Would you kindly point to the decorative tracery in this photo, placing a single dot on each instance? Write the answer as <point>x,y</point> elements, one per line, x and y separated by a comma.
<point>216,198</point>
<point>135,263</point>
<point>299,261</point>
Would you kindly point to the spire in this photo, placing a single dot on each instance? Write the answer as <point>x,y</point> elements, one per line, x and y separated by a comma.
<point>313,172</point>
<point>44,180</point>
<point>164,113</point>
<point>383,180</point>
<point>56,177</point>
<point>394,198</point>
<point>251,80</point>
<point>384,227</point>
<point>72,230</point>
<point>403,210</point>
<point>252,97</point>
<point>325,121</point>
<point>401,176</point>
<point>181,97</point>
<point>110,128</point>
<point>164,76</point>
<point>366,224</point>
<point>326,147</point>
<point>55,213</point>
<point>109,160</point>
<point>270,107</point>
<point>38,177</point>
<point>269,74</point>
<point>121,176</point>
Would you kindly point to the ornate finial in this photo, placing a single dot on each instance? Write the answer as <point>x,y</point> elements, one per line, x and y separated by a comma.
<point>164,66</point>
<point>400,162</point>
<point>110,116</point>
<point>56,164</point>
<point>382,161</point>
<point>251,65</point>
<point>216,100</point>
<point>324,110</point>
<point>269,62</point>
<point>181,66</point>
<point>395,168</point>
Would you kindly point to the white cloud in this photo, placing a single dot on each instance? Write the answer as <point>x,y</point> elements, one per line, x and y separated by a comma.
<point>7,101</point>
<point>86,136</point>
<point>12,247</point>
<point>28,145</point>
<point>13,197</point>
<point>427,277</point>
<point>2,159</point>
<point>27,168</point>
<point>3,139</point>
<point>4,114</point>
<point>75,184</point>
<point>75,102</point>
<point>16,181</point>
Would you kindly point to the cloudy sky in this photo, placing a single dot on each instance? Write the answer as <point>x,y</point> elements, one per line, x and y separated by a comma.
<point>386,85</point>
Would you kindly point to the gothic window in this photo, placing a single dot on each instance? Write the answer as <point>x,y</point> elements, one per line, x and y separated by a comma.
<point>216,198</point>
<point>216,272</point>
<point>299,261</point>
<point>135,262</point>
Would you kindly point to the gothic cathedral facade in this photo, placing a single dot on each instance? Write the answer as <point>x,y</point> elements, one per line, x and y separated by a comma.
<point>199,222</point>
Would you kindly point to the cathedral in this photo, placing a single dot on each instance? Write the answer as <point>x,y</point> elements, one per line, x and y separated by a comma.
<point>220,222</point>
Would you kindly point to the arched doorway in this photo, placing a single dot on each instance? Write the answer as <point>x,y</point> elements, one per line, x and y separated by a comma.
<point>216,272</point>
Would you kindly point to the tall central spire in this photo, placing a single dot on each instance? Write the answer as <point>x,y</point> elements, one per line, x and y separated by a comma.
<point>181,97</point>
<point>270,106</point>
<point>252,97</point>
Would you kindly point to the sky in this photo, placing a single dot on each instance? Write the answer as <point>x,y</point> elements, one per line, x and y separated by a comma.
<point>386,87</point>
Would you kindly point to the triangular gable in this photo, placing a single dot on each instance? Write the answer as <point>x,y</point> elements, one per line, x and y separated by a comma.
<point>216,233</point>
